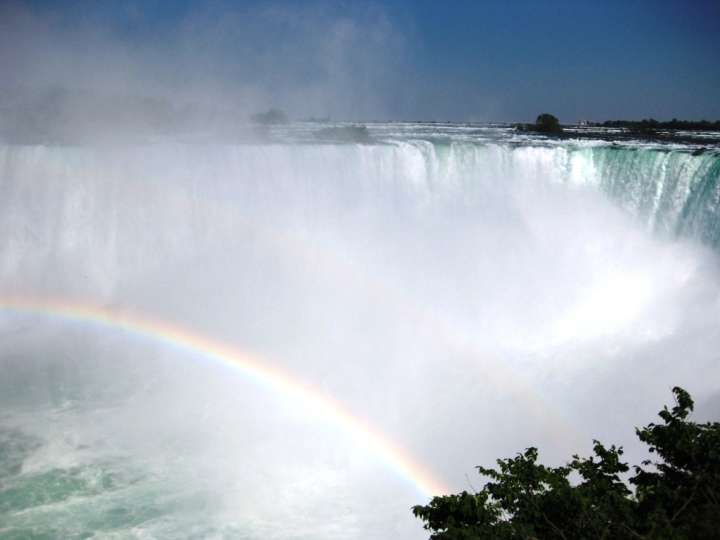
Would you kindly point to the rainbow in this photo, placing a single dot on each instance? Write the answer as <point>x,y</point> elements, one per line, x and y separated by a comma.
<point>248,365</point>
<point>223,219</point>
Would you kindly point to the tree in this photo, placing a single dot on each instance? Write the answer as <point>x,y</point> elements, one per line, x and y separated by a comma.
<point>677,499</point>
<point>273,116</point>
<point>680,497</point>
<point>352,133</point>
<point>545,123</point>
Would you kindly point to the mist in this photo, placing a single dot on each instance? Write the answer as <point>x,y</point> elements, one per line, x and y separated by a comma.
<point>342,60</point>
<point>465,314</point>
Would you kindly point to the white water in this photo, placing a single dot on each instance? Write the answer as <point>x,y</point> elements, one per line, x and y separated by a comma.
<point>465,293</point>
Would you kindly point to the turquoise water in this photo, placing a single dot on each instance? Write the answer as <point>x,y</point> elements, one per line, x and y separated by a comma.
<point>65,474</point>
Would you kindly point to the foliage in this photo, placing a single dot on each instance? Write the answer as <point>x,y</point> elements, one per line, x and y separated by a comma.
<point>680,498</point>
<point>57,115</point>
<point>545,123</point>
<point>273,116</point>
<point>321,120</point>
<point>352,133</point>
<point>676,499</point>
<point>649,125</point>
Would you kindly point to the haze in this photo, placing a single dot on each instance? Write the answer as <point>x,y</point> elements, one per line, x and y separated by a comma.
<point>393,60</point>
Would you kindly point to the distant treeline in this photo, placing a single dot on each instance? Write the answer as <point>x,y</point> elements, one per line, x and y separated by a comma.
<point>56,115</point>
<point>652,124</point>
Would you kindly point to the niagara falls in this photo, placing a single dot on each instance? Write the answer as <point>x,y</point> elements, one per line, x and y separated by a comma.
<point>274,270</point>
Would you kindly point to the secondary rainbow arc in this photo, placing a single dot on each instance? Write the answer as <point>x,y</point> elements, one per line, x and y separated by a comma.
<point>244,363</point>
<point>222,218</point>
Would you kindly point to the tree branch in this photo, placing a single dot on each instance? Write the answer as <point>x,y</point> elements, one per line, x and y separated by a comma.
<point>557,530</point>
<point>692,496</point>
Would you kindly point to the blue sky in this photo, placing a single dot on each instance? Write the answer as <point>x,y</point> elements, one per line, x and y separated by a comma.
<point>401,59</point>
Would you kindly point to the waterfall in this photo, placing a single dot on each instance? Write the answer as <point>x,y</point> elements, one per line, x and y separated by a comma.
<point>205,339</point>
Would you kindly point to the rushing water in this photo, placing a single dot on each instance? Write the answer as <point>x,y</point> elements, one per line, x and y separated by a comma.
<point>302,338</point>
